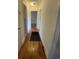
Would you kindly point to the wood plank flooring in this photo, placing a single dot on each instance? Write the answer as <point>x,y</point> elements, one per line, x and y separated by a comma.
<point>32,50</point>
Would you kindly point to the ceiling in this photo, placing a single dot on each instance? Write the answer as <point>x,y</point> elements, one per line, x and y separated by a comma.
<point>33,0</point>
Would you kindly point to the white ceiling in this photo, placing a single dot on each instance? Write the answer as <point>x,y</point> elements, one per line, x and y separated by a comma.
<point>33,0</point>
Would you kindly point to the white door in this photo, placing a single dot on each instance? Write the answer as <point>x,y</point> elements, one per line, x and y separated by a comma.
<point>19,38</point>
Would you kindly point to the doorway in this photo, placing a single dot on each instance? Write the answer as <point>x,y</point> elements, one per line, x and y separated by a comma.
<point>33,18</point>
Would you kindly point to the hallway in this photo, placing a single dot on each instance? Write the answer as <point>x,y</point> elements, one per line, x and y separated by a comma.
<point>32,49</point>
<point>38,30</point>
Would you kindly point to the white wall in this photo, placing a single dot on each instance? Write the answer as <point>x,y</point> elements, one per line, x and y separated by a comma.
<point>29,20</point>
<point>49,12</point>
<point>55,49</point>
<point>21,34</point>
<point>38,19</point>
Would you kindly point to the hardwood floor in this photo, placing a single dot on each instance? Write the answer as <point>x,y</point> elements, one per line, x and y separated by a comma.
<point>32,50</point>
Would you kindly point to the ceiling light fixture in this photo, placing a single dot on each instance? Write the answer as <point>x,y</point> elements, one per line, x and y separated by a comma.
<point>33,3</point>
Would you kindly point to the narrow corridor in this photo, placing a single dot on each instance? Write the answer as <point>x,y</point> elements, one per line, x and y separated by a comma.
<point>38,33</point>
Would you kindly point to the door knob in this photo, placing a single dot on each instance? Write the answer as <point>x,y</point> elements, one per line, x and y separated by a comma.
<point>19,28</point>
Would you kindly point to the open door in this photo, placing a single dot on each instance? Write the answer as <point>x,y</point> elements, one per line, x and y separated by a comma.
<point>33,18</point>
